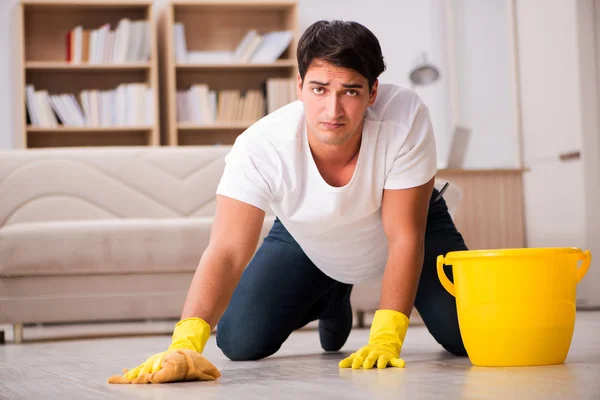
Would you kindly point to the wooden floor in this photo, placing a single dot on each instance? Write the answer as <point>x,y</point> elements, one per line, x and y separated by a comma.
<point>78,369</point>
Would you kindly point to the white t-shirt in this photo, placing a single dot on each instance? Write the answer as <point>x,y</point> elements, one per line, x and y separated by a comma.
<point>339,228</point>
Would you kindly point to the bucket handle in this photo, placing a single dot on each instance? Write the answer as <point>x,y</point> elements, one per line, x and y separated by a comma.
<point>586,257</point>
<point>449,286</point>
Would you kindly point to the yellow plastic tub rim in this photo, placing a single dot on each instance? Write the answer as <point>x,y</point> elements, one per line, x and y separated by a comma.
<point>516,307</point>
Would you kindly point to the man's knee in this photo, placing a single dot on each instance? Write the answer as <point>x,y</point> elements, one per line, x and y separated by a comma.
<point>240,350</point>
<point>440,318</point>
<point>454,345</point>
<point>244,344</point>
<point>448,336</point>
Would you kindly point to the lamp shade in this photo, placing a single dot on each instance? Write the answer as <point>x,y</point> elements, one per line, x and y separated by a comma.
<point>424,74</point>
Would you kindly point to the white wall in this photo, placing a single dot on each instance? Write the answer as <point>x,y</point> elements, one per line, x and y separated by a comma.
<point>589,50</point>
<point>559,94</point>
<point>6,73</point>
<point>405,28</point>
<point>485,103</point>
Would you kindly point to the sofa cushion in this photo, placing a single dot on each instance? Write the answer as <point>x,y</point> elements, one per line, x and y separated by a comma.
<point>115,246</point>
<point>109,183</point>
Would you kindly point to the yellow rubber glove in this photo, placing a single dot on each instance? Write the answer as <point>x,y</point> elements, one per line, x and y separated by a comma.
<point>189,334</point>
<point>385,342</point>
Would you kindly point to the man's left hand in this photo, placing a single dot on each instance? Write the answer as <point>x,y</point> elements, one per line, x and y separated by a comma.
<point>385,342</point>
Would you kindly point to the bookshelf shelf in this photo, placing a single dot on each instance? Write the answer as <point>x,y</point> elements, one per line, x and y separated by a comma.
<point>214,127</point>
<point>61,65</point>
<point>87,60</point>
<point>277,64</point>
<point>87,129</point>
<point>88,3</point>
<point>209,98</point>
<point>254,4</point>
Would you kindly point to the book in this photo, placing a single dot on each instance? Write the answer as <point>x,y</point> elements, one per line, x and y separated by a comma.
<point>200,105</point>
<point>271,47</point>
<point>254,47</point>
<point>128,42</point>
<point>129,104</point>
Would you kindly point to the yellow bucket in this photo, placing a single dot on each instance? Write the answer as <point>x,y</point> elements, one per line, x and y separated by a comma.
<point>516,307</point>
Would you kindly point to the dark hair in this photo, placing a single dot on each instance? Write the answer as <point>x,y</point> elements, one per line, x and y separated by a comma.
<point>346,44</point>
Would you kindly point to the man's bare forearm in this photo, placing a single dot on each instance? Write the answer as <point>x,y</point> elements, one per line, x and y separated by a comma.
<point>213,284</point>
<point>401,276</point>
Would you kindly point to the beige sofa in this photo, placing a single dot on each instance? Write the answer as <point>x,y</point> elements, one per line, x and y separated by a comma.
<point>108,234</point>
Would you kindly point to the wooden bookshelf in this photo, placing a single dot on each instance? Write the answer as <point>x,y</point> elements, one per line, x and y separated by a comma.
<point>43,26</point>
<point>218,25</point>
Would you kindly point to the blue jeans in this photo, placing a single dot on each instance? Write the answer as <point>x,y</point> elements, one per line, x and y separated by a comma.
<point>281,290</point>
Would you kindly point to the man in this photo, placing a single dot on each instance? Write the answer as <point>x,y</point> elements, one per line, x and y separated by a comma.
<point>348,170</point>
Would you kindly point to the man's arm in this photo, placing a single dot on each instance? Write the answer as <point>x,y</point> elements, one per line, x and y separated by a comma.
<point>404,214</point>
<point>234,237</point>
<point>233,240</point>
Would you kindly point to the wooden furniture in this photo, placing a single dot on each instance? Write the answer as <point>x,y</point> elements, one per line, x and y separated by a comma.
<point>217,25</point>
<point>490,214</point>
<point>42,62</point>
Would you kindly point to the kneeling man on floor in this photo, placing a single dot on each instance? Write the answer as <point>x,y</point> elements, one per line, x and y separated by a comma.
<point>348,170</point>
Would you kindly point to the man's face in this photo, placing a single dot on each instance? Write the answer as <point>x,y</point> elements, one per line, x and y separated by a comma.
<point>335,101</point>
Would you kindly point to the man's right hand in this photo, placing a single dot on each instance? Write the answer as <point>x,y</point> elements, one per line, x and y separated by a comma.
<point>190,334</point>
<point>234,239</point>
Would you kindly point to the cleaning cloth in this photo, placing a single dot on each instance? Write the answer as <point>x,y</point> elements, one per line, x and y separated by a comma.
<point>177,366</point>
